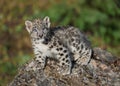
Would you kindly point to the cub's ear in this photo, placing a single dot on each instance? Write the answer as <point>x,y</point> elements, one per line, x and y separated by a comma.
<point>47,21</point>
<point>28,25</point>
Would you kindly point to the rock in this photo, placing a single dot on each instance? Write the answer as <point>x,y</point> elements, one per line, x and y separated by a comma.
<point>102,70</point>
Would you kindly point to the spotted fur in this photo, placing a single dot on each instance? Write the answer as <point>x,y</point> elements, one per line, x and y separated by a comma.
<point>66,44</point>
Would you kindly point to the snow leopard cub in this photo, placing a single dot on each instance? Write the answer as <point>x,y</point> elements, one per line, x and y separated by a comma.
<point>66,44</point>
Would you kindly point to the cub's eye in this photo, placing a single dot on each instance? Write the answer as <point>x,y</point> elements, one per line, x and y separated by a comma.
<point>34,30</point>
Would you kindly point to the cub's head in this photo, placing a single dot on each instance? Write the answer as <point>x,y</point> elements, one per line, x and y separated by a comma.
<point>38,28</point>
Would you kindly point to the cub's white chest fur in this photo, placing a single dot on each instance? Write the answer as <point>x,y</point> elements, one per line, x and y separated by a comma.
<point>44,49</point>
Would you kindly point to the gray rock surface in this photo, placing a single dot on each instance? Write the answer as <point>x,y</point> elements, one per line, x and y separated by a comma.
<point>103,70</point>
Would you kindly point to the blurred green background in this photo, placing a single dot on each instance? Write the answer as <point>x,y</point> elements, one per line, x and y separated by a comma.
<point>99,19</point>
